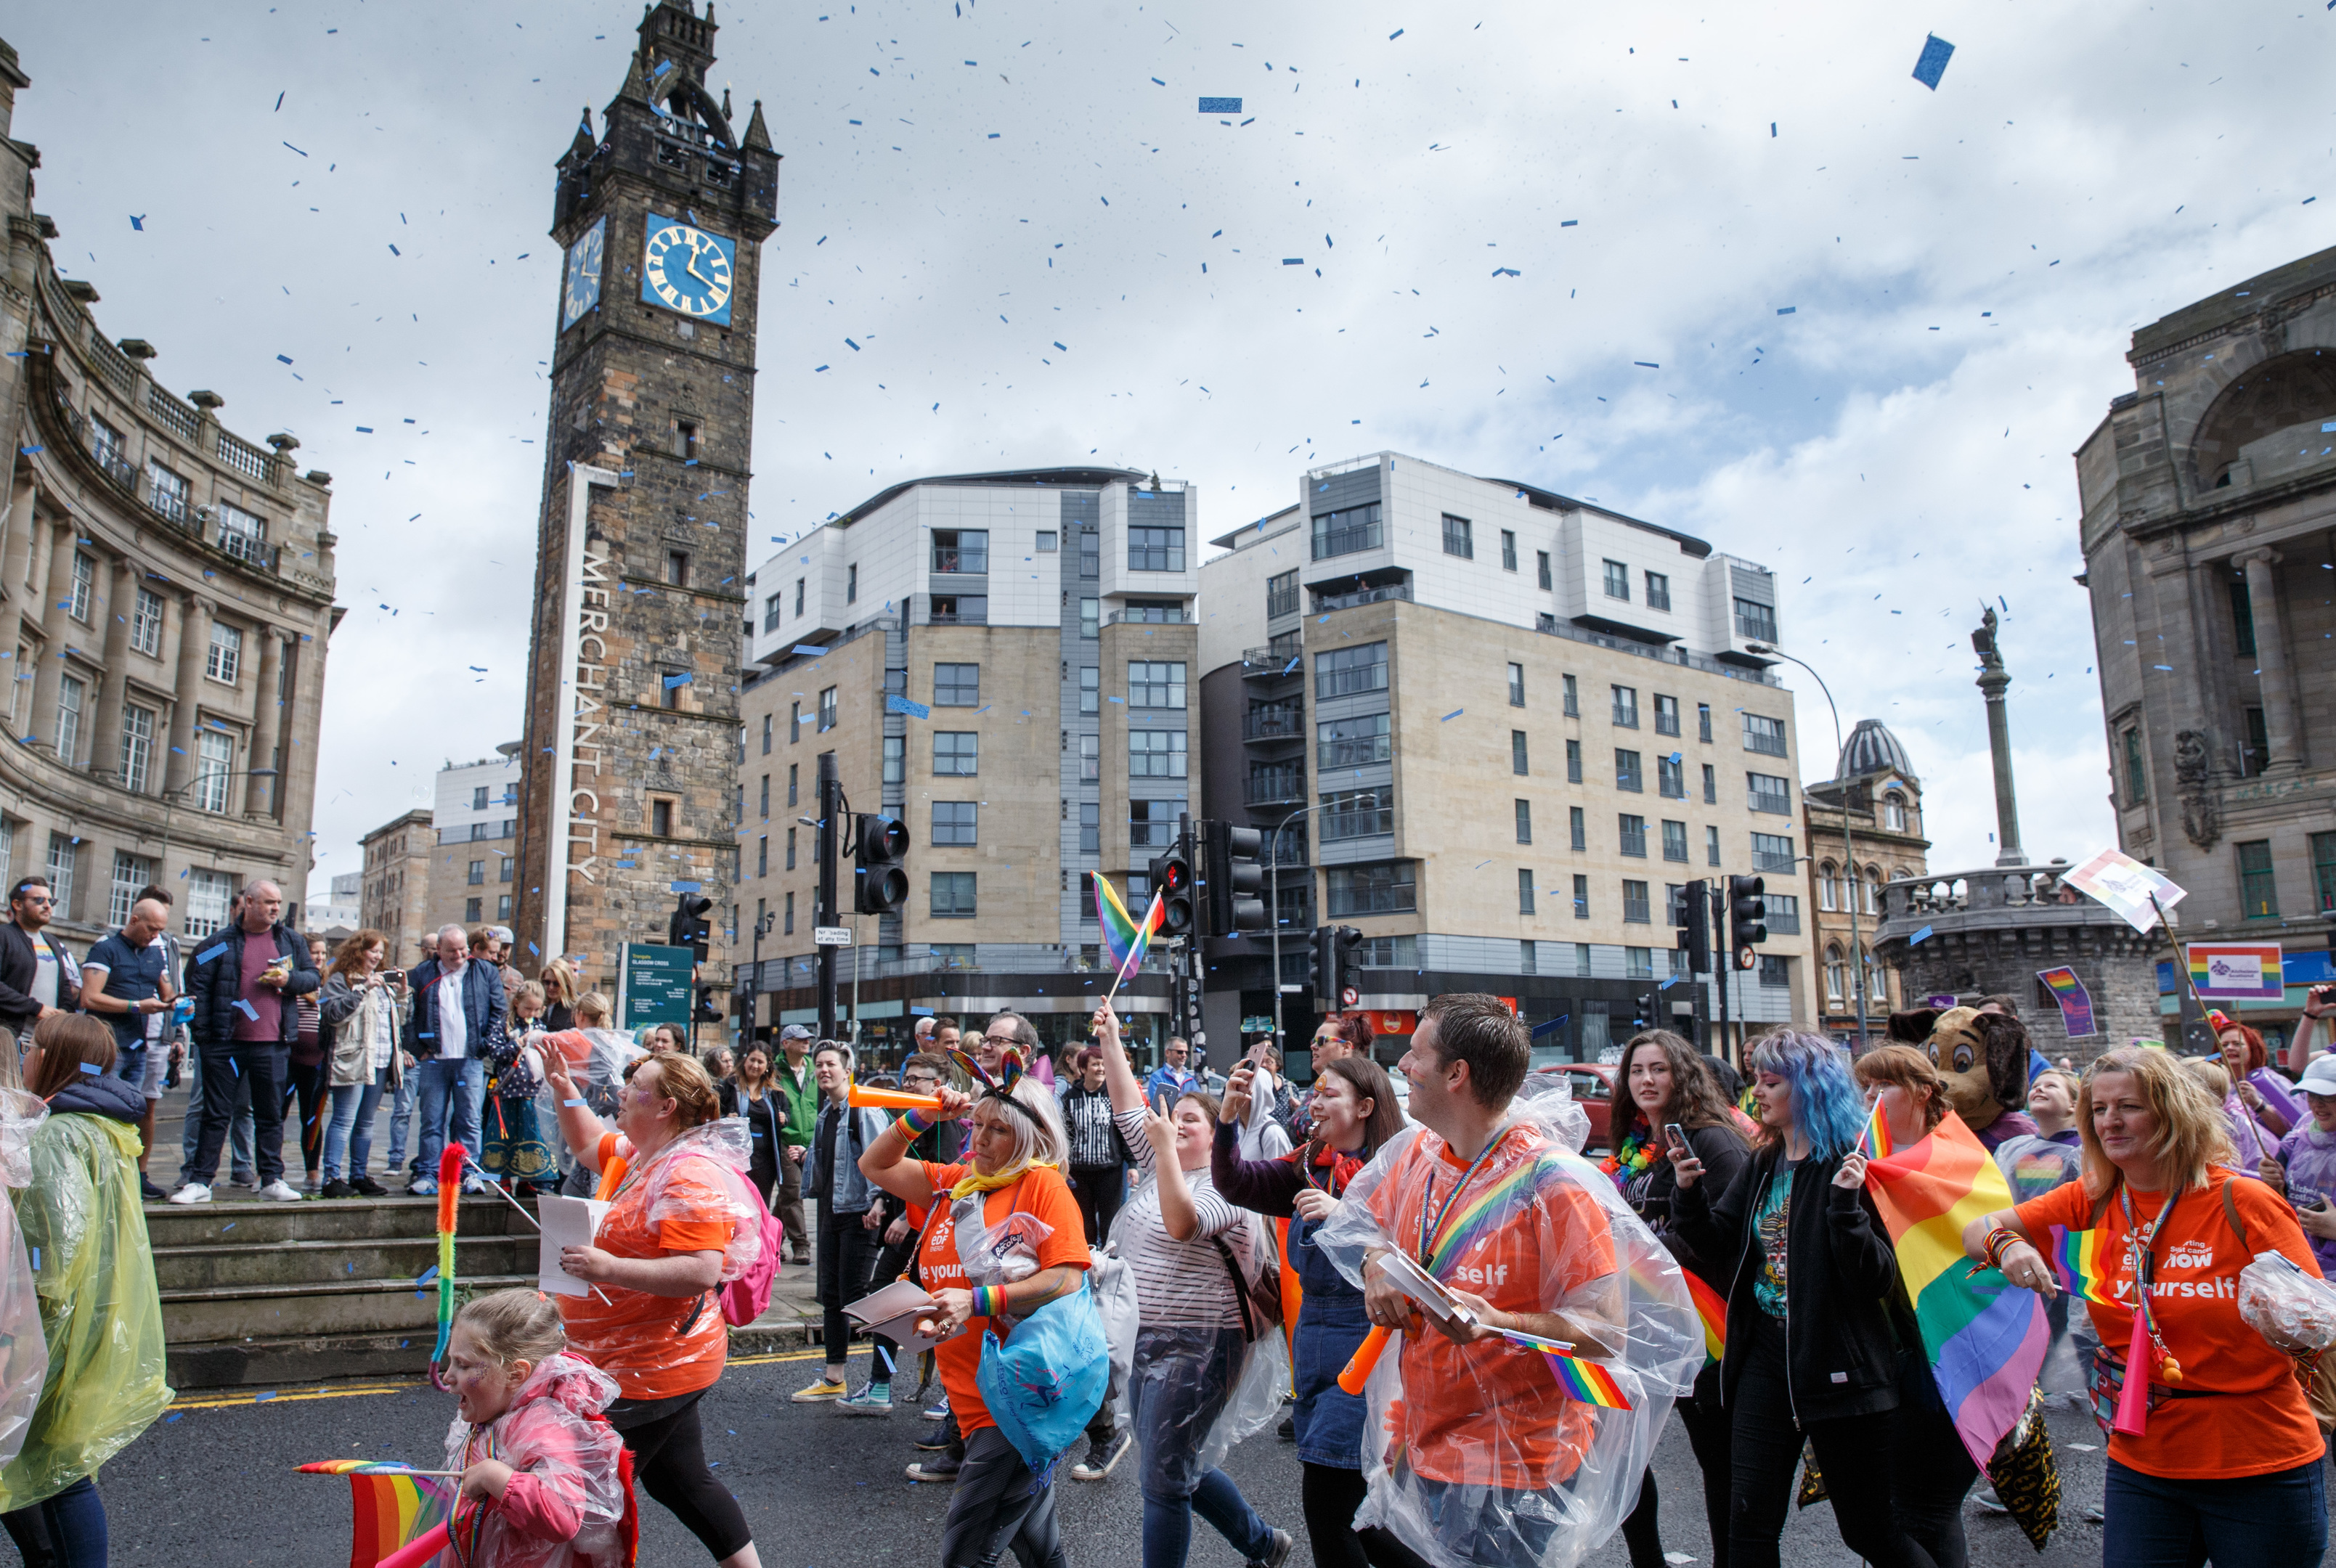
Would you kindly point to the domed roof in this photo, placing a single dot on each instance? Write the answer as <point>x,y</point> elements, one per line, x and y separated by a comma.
<point>1873,749</point>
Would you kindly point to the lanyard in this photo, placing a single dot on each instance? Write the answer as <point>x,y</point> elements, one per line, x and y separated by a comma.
<point>1428,1192</point>
<point>2142,1260</point>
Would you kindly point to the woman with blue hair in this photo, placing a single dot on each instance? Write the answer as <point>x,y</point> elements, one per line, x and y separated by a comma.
<point>1812,1350</point>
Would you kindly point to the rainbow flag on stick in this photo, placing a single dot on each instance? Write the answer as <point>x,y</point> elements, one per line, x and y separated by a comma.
<point>1124,936</point>
<point>396,1507</point>
<point>1712,1310</point>
<point>1876,1136</point>
<point>1985,1336</point>
<point>1587,1381</point>
<point>2083,1262</point>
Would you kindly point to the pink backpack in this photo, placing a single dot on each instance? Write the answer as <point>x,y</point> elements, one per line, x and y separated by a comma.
<point>746,1298</point>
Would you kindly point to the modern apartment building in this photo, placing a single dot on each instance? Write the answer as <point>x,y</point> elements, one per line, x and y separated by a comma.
<point>1005,662</point>
<point>475,818</point>
<point>1496,729</point>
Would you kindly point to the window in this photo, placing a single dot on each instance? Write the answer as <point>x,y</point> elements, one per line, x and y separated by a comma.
<point>168,492</point>
<point>957,685</point>
<point>1573,762</point>
<point>1281,593</point>
<point>1090,838</point>
<point>131,873</point>
<point>762,856</point>
<point>1156,685</point>
<point>799,595</point>
<point>1710,785</point>
<point>105,445</point>
<point>794,771</point>
<point>1776,973</point>
<point>1634,836</point>
<point>1769,793</point>
<point>2242,615</point>
<point>2324,871</point>
<point>1516,685</point>
<point>1090,551</point>
<point>1525,891</point>
<point>1573,699</point>
<point>1784,918</point>
<point>1389,888</point>
<point>961,609</point>
<point>661,818</point>
<point>1626,707</point>
<point>2255,750</point>
<point>472,911</point>
<point>685,440</point>
<point>1155,550</point>
<point>1528,961</point>
<point>1703,722</point>
<point>1836,974</point>
<point>826,710</point>
<point>1090,759</point>
<point>214,761</point>
<point>1711,846</point>
<point>146,623</point>
<point>225,657</point>
<point>1458,538</point>
<point>1342,533</point>
<point>137,746</point>
<point>2136,773</point>
<point>1345,671</point>
<point>1670,777</point>
<point>1577,827</point>
<point>1352,742</point>
<point>1637,963</point>
<point>1666,715</point>
<point>960,550</point>
<point>1765,736</point>
<point>676,568</point>
<point>1772,852</point>
<point>1582,902</point>
<point>956,824</point>
<point>1155,753</point>
<point>1756,622</point>
<point>1675,841</point>
<point>70,692</point>
<point>957,753</point>
<point>1090,617</point>
<point>1524,821</point>
<point>851,584</point>
<point>773,608</point>
<point>791,847</point>
<point>1517,752</point>
<point>1152,824</point>
<point>1046,541</point>
<point>1540,558</point>
<point>788,916</point>
<point>2258,898</point>
<point>1357,814</point>
<point>1659,591</point>
<point>1636,911</point>
<point>64,863</point>
<point>85,579</point>
<point>1894,812</point>
<point>479,798</point>
<point>503,909</point>
<point>1826,893</point>
<point>477,874</point>
<point>1508,550</point>
<point>208,893</point>
<point>1626,772</point>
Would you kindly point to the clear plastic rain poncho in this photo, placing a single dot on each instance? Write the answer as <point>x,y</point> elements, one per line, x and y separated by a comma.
<point>23,1348</point>
<point>1481,1453</point>
<point>100,1310</point>
<point>562,1509</point>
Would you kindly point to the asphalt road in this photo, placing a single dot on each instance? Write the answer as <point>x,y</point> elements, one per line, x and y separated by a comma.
<point>213,1484</point>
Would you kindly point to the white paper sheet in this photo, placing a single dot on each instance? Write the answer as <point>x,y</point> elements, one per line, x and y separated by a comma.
<point>893,1312</point>
<point>567,1223</point>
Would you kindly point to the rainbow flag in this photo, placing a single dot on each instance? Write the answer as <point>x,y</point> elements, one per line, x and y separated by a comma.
<point>1123,937</point>
<point>1587,1381</point>
<point>1876,1136</point>
<point>2083,1262</point>
<point>1985,1336</point>
<point>393,1505</point>
<point>1713,1311</point>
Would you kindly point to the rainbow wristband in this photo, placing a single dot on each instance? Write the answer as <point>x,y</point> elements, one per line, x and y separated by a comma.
<point>914,1123</point>
<point>989,1302</point>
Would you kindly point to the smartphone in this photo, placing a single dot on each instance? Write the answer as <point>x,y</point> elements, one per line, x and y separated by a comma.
<point>1674,1136</point>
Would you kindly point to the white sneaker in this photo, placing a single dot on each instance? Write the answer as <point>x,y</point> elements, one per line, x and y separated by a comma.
<point>278,1191</point>
<point>477,1185</point>
<point>192,1193</point>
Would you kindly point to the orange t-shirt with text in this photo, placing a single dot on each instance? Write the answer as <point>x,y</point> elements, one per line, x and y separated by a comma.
<point>1042,1194</point>
<point>633,1336</point>
<point>2261,1422</point>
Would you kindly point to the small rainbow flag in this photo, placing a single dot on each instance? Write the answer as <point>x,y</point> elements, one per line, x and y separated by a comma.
<point>1586,1382</point>
<point>2083,1262</point>
<point>1713,1312</point>
<point>1877,1138</point>
<point>1123,937</point>
<point>393,1505</point>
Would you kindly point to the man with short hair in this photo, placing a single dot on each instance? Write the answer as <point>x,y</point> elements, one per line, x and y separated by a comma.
<point>127,982</point>
<point>240,1131</point>
<point>1170,1081</point>
<point>37,976</point>
<point>799,1093</point>
<point>1007,1030</point>
<point>458,1005</point>
<point>244,1025</point>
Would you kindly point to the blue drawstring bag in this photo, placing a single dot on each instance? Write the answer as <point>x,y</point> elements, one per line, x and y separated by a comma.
<point>1045,1380</point>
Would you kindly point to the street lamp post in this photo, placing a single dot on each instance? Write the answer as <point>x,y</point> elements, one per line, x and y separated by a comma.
<point>754,977</point>
<point>171,799</point>
<point>1848,839</point>
<point>1274,892</point>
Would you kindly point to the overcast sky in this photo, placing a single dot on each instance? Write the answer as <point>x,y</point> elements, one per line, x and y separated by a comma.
<point>1499,209</point>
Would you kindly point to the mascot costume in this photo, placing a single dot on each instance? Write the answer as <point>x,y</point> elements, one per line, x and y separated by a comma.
<point>1983,1056</point>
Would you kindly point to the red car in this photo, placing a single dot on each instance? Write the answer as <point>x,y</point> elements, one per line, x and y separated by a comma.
<point>1593,1084</point>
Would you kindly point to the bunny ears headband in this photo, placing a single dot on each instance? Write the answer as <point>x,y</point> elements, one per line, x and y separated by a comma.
<point>1001,1087</point>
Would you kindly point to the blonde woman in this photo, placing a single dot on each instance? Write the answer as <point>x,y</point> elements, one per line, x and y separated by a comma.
<point>358,1012</point>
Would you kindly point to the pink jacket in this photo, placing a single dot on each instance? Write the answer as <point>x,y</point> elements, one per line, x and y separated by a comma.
<point>562,1508</point>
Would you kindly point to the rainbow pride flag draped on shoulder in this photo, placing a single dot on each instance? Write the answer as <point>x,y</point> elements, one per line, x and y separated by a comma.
<point>1985,1336</point>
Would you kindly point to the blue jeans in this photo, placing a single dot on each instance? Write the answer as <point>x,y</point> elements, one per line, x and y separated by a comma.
<point>239,1138</point>
<point>448,1093</point>
<point>349,1136</point>
<point>2152,1522</point>
<point>1181,1382</point>
<point>401,1119</point>
<point>70,1523</point>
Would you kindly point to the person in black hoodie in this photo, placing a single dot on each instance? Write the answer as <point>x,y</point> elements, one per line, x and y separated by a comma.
<point>1667,1085</point>
<point>1812,1346</point>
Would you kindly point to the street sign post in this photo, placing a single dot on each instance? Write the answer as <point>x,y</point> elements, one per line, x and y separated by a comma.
<point>831,936</point>
<point>654,984</point>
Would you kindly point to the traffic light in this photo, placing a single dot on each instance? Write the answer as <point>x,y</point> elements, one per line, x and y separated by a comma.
<point>880,882</point>
<point>688,927</point>
<point>704,1011</point>
<point>1642,1011</point>
<point>1233,878</point>
<point>1171,879</point>
<point>1335,969</point>
<point>1747,913</point>
<point>1692,916</point>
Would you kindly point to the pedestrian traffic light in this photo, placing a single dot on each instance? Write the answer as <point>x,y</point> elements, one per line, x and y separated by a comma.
<point>1233,878</point>
<point>1692,916</point>
<point>880,882</point>
<point>688,927</point>
<point>1336,972</point>
<point>1747,913</point>
<point>1171,879</point>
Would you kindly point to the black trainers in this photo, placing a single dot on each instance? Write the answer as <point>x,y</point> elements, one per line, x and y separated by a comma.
<point>338,1188</point>
<point>149,1191</point>
<point>1101,1459</point>
<point>365,1186</point>
<point>1277,1554</point>
<point>942,1469</point>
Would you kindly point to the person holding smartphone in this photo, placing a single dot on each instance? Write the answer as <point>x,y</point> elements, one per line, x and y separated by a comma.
<point>2310,1038</point>
<point>1674,1102</point>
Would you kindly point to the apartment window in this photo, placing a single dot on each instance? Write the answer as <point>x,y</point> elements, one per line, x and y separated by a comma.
<point>137,746</point>
<point>1825,892</point>
<point>676,568</point>
<point>131,873</point>
<point>1634,836</point>
<point>1458,538</point>
<point>1524,821</point>
<point>826,710</point>
<point>1836,974</point>
<point>146,623</point>
<point>1637,963</point>
<point>503,910</point>
<point>851,584</point>
<point>1090,688</point>
<point>2323,870</point>
<point>1155,753</point>
<point>1776,973</point>
<point>70,692</point>
<point>1756,622</point>
<point>105,445</point>
<point>1765,736</point>
<point>1703,722</point>
<point>1090,617</point>
<point>1155,549</point>
<point>1618,581</point>
<point>1090,759</point>
<point>794,772</point>
<point>1528,960</point>
<point>84,581</point>
<point>214,761</point>
<point>787,916</point>
<point>1525,891</point>
<point>1784,917</point>
<point>476,874</point>
<point>2242,616</point>
<point>1894,812</point>
<point>1508,550</point>
<point>799,595</point>
<point>1090,551</point>
<point>1710,785</point>
<point>1516,685</point>
<point>1659,591</point>
<point>960,550</point>
<point>1675,841</point>
<point>1670,777</point>
<point>1353,743</point>
<point>1627,776</point>
<point>168,492</point>
<point>1769,793</point>
<point>1772,852</point>
<point>956,824</point>
<point>961,609</point>
<point>1343,671</point>
<point>791,848</point>
<point>1342,533</point>
<point>1090,837</point>
<point>1582,904</point>
<point>479,798</point>
<point>1572,698</point>
<point>64,866</point>
<point>1357,814</point>
<point>1047,542</point>
<point>208,893</point>
<point>1711,846</point>
<point>1540,558</point>
<point>957,753</point>
<point>957,685</point>
<point>1152,824</point>
<point>1577,827</point>
<point>2258,898</point>
<point>1389,888</point>
<point>1281,593</point>
<point>1517,752</point>
<point>2136,773</point>
<point>1156,684</point>
<point>1636,910</point>
<point>1626,707</point>
<point>774,606</point>
<point>225,657</point>
<point>1573,762</point>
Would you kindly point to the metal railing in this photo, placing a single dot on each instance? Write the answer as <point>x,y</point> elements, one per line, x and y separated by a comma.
<point>1160,616</point>
<point>1280,602</point>
<point>170,504</point>
<point>1346,541</point>
<point>1273,785</point>
<point>1279,721</point>
<point>1325,603</point>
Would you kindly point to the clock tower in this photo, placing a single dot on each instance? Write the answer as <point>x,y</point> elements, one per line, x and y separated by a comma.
<point>628,797</point>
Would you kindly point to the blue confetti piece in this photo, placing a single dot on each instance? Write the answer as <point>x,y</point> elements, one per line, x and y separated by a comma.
<point>1452,715</point>
<point>897,705</point>
<point>681,680</point>
<point>1667,984</point>
<point>173,1415</point>
<point>1552,1027</point>
<point>206,956</point>
<point>246,1009</point>
<point>1918,936</point>
<point>92,1069</point>
<point>37,1259</point>
<point>809,648</point>
<point>1220,106</point>
<point>681,887</point>
<point>1936,52</point>
<point>426,1275</point>
<point>1788,310</point>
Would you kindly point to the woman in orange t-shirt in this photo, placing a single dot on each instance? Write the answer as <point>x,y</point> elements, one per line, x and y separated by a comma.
<point>2227,1466</point>
<point>681,1220</point>
<point>1011,1208</point>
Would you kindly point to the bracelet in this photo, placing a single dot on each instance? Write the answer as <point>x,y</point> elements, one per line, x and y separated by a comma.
<point>988,1301</point>
<point>2000,1241</point>
<point>914,1125</point>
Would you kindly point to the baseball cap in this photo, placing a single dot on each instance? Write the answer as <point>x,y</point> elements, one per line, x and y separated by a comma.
<point>794,1031</point>
<point>2319,1077</point>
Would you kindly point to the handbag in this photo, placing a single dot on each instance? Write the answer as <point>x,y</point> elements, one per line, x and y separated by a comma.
<point>1259,1299</point>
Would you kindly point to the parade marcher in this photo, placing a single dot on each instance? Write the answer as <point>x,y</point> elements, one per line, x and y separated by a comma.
<point>2227,1464</point>
<point>2259,1106</point>
<point>1667,1085</point>
<point>1812,1352</point>
<point>2319,1006</point>
<point>680,1224</point>
<point>942,1143</point>
<point>1354,1114</point>
<point>127,982</point>
<point>361,1006</point>
<point>1099,1155</point>
<point>1008,1245</point>
<point>458,1005</point>
<point>2033,1165</point>
<point>2305,1170</point>
<point>241,984</point>
<point>799,1093</point>
<point>851,1222</point>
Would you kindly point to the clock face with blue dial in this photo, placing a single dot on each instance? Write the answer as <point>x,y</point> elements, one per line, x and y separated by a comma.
<point>584,259</point>
<point>685,269</point>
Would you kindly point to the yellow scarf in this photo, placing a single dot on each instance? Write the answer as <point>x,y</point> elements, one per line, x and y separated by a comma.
<point>973,1181</point>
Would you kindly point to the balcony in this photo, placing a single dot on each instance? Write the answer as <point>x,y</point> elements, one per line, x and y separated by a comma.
<point>1363,822</point>
<point>1551,627</point>
<point>1280,602</point>
<point>973,562</point>
<point>1275,722</point>
<point>1325,603</point>
<point>1346,541</point>
<point>1767,745</point>
<point>1274,787</point>
<point>1151,615</point>
<point>1273,663</point>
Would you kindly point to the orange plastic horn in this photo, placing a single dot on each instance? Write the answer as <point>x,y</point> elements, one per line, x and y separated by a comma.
<point>892,1099</point>
<point>1359,1365</point>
